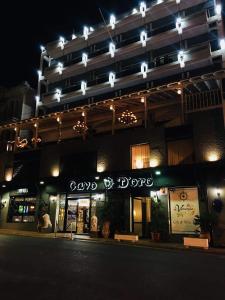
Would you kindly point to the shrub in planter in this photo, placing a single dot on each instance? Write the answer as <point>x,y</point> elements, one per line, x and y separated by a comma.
<point>159,222</point>
<point>205,222</point>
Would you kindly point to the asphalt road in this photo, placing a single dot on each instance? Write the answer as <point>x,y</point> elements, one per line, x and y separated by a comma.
<point>35,268</point>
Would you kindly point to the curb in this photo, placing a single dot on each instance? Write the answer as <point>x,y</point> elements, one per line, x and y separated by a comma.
<point>165,247</point>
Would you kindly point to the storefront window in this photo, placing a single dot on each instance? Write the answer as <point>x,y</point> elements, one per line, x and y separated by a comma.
<point>22,209</point>
<point>140,156</point>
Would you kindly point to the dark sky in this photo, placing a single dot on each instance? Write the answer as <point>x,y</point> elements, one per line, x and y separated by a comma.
<point>25,25</point>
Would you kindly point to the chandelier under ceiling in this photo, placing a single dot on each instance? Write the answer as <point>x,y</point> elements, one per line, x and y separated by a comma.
<point>36,140</point>
<point>80,127</point>
<point>127,118</point>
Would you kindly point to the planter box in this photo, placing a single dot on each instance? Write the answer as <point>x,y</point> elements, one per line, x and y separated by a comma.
<point>126,237</point>
<point>196,242</point>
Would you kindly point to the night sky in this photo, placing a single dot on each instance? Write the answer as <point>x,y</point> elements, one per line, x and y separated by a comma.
<point>25,25</point>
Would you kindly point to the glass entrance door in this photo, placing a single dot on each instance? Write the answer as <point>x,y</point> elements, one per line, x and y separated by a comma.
<point>141,215</point>
<point>78,212</point>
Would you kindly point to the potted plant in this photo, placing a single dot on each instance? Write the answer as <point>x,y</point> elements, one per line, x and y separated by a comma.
<point>159,221</point>
<point>205,222</point>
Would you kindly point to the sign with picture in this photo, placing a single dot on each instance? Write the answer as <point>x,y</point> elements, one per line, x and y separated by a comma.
<point>184,207</point>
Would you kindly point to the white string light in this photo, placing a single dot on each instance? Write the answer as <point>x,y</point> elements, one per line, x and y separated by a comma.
<point>143,38</point>
<point>84,59</point>
<point>74,36</point>
<point>144,69</point>
<point>83,87</point>
<point>112,49</point>
<point>143,9</point>
<point>60,67</point>
<point>222,44</point>
<point>181,58</point>
<point>42,49</point>
<point>58,94</point>
<point>61,42</point>
<point>179,25</point>
<point>85,32</point>
<point>112,22</point>
<point>218,9</point>
<point>112,79</point>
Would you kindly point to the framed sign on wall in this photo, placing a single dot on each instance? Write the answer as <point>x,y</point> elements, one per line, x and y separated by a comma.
<point>184,206</point>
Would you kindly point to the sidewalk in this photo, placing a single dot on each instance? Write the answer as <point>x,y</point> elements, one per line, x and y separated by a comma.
<point>140,243</point>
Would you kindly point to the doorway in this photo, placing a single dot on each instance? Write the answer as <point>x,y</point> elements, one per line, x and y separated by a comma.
<point>78,212</point>
<point>141,216</point>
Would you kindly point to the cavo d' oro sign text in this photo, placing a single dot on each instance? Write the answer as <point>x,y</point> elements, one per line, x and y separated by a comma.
<point>108,183</point>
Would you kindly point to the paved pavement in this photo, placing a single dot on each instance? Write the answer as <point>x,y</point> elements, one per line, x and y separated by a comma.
<point>38,268</point>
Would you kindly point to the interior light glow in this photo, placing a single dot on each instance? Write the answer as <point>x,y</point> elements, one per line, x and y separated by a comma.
<point>84,59</point>
<point>60,68</point>
<point>58,94</point>
<point>112,22</point>
<point>222,44</point>
<point>178,1</point>
<point>112,49</point>
<point>134,11</point>
<point>61,42</point>
<point>143,9</point>
<point>179,25</point>
<point>83,87</point>
<point>218,9</point>
<point>144,69</point>
<point>112,79</point>
<point>37,98</point>
<point>154,162</point>
<point>42,182</point>
<point>143,38</point>
<point>181,58</point>
<point>91,29</point>
<point>139,163</point>
<point>74,36</point>
<point>86,32</point>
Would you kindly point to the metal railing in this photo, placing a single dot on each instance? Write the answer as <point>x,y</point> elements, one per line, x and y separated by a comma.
<point>203,101</point>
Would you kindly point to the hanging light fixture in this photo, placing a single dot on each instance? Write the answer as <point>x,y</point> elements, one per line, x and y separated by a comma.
<point>21,143</point>
<point>80,127</point>
<point>127,118</point>
<point>36,140</point>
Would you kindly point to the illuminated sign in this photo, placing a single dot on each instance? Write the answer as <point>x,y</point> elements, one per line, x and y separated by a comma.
<point>109,183</point>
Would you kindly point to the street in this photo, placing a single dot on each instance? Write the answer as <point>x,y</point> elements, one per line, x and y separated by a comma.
<point>37,268</point>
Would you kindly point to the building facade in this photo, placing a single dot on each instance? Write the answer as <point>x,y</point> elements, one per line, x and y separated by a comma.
<point>128,115</point>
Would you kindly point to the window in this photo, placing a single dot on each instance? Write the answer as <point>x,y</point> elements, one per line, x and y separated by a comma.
<point>140,156</point>
<point>22,209</point>
<point>180,152</point>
